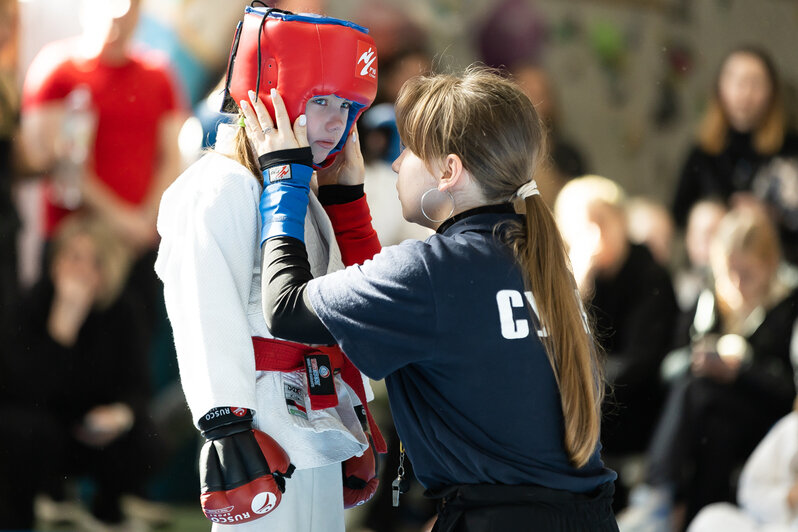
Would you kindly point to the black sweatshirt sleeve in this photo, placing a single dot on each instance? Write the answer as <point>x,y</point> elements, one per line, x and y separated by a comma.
<point>286,308</point>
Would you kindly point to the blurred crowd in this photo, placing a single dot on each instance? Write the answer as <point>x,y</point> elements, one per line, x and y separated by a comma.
<point>693,297</point>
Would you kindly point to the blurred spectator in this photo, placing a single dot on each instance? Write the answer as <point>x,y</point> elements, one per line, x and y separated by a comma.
<point>630,299</point>
<point>138,113</point>
<point>650,224</point>
<point>738,376</point>
<point>77,371</point>
<point>566,161</point>
<point>694,277</point>
<point>768,490</point>
<point>744,127</point>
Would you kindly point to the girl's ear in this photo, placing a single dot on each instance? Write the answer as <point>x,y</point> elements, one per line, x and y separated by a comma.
<point>453,172</point>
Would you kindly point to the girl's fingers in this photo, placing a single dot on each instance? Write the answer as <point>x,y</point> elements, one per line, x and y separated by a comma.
<point>355,142</point>
<point>301,131</point>
<point>351,151</point>
<point>264,119</point>
<point>250,120</point>
<point>280,114</point>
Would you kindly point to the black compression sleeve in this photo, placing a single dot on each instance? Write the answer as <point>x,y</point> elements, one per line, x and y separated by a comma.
<point>286,308</point>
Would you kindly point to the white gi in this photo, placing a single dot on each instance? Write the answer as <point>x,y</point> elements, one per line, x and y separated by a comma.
<point>209,261</point>
<point>768,475</point>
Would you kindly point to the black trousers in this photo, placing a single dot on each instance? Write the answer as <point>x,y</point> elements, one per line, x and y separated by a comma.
<point>499,508</point>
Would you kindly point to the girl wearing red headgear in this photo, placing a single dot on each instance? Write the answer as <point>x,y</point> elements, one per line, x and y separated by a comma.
<point>270,410</point>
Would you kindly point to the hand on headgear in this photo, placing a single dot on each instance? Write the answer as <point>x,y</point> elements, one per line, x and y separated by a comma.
<point>267,137</point>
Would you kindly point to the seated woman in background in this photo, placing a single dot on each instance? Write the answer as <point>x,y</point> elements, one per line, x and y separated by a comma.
<point>79,366</point>
<point>745,125</point>
<point>768,492</point>
<point>745,147</point>
<point>739,376</point>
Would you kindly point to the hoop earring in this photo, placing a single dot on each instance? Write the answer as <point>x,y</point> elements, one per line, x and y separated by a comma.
<point>424,195</point>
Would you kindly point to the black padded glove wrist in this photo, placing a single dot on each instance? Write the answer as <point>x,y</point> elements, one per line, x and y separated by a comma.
<point>225,421</point>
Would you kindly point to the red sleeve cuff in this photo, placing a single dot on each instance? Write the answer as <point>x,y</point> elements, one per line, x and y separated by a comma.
<point>356,237</point>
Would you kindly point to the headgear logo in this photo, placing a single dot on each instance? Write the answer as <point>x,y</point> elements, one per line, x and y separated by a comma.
<point>366,66</point>
<point>239,412</point>
<point>264,502</point>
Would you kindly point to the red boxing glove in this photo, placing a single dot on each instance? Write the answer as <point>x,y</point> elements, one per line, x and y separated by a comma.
<point>242,470</point>
<point>360,472</point>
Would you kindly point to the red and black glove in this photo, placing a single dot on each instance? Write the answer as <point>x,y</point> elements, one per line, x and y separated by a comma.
<point>360,472</point>
<point>242,470</point>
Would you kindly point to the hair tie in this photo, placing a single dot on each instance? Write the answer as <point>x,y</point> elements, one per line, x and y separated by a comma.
<point>241,122</point>
<point>528,189</point>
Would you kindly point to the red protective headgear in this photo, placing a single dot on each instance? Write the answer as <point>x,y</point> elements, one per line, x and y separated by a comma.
<point>302,56</point>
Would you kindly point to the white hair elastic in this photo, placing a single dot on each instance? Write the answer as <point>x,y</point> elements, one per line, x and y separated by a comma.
<point>528,189</point>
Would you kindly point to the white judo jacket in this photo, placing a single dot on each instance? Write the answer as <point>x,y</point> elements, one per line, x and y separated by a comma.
<point>209,261</point>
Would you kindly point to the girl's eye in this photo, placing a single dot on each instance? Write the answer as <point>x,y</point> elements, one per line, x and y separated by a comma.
<point>346,105</point>
<point>320,101</point>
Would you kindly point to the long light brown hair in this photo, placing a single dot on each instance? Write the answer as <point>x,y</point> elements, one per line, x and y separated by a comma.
<point>768,136</point>
<point>487,121</point>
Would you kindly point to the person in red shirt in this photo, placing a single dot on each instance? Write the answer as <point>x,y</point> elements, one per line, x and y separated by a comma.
<point>133,154</point>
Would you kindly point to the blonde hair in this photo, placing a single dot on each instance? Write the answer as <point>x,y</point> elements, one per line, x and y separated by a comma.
<point>114,257</point>
<point>768,136</point>
<point>579,193</point>
<point>487,121</point>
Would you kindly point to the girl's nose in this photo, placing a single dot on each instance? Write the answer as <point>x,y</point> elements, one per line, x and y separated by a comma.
<point>335,122</point>
<point>397,162</point>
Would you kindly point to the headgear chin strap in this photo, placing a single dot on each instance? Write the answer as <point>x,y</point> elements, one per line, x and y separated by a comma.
<point>302,56</point>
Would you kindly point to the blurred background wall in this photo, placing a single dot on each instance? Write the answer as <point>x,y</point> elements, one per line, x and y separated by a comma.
<point>632,76</point>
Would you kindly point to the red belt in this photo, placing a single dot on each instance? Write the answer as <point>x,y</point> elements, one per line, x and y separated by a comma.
<point>281,355</point>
